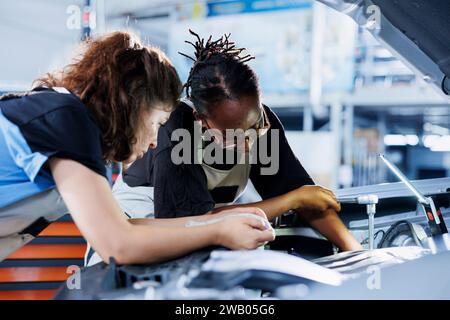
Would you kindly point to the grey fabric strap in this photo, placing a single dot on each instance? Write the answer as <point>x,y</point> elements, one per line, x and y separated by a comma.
<point>23,220</point>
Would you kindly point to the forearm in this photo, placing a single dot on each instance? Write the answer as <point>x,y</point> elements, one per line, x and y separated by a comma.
<point>331,227</point>
<point>272,207</point>
<point>172,222</point>
<point>151,243</point>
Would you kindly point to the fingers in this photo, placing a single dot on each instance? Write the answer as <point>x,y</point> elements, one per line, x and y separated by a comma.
<point>260,244</point>
<point>330,193</point>
<point>265,236</point>
<point>326,190</point>
<point>333,204</point>
<point>256,223</point>
<point>319,199</point>
<point>331,200</point>
<point>338,206</point>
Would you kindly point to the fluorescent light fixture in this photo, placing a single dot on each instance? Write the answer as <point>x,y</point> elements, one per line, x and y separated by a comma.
<point>412,139</point>
<point>430,140</point>
<point>442,144</point>
<point>401,140</point>
<point>395,140</point>
<point>437,143</point>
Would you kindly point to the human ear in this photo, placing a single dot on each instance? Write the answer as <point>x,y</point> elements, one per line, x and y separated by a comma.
<point>201,118</point>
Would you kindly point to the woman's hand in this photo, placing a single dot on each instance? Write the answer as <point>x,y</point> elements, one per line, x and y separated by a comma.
<point>313,198</point>
<point>319,208</point>
<point>242,228</point>
<point>243,231</point>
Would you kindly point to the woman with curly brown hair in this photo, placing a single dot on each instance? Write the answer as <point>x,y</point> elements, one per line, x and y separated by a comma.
<point>54,140</point>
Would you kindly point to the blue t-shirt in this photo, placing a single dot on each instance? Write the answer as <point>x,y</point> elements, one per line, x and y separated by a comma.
<point>40,124</point>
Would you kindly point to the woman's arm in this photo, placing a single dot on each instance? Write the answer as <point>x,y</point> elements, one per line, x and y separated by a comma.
<point>317,206</point>
<point>178,222</point>
<point>331,227</point>
<point>313,198</point>
<point>100,220</point>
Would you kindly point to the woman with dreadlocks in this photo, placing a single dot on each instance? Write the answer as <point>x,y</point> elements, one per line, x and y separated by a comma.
<point>54,141</point>
<point>222,94</point>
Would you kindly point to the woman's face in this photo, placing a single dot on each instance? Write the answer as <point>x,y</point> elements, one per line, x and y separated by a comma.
<point>147,135</point>
<point>244,114</point>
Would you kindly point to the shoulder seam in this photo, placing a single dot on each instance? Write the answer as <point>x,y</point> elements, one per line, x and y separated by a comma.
<point>58,108</point>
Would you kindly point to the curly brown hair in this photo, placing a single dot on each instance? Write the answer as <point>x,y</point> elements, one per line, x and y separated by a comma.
<point>118,78</point>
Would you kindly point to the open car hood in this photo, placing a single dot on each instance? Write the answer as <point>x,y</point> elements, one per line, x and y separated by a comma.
<point>416,31</point>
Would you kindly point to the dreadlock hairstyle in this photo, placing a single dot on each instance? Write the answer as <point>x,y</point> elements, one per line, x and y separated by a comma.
<point>218,73</point>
